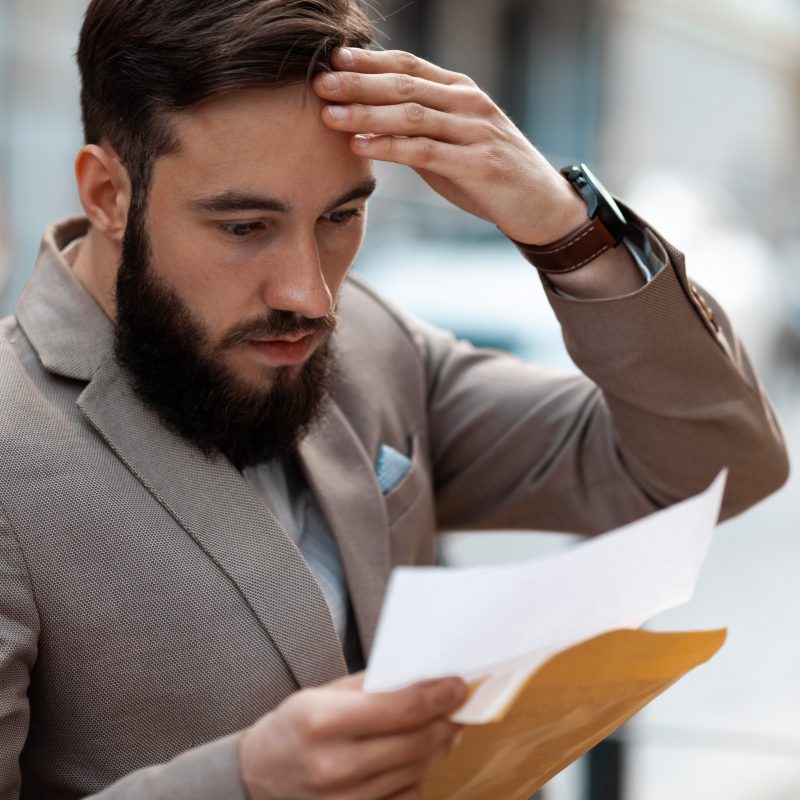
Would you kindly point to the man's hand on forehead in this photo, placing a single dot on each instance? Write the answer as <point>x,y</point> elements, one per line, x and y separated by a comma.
<point>404,109</point>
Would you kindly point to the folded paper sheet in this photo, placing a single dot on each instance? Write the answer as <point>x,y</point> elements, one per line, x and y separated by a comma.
<point>497,624</point>
<point>549,646</point>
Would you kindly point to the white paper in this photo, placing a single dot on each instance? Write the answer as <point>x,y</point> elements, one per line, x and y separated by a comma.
<point>500,623</point>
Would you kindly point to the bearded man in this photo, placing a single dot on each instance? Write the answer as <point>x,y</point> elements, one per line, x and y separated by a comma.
<point>216,443</point>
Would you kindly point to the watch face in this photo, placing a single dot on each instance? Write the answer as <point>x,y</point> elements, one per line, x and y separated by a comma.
<point>605,198</point>
<point>600,203</point>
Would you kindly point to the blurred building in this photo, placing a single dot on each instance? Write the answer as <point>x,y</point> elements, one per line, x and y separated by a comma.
<point>5,244</point>
<point>708,89</point>
<point>39,123</point>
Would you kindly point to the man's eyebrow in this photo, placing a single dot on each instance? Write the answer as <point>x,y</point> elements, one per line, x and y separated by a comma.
<point>232,200</point>
<point>364,189</point>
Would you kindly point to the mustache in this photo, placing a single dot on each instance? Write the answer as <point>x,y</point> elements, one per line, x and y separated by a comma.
<point>278,324</point>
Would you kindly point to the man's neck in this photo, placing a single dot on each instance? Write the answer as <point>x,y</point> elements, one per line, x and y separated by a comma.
<point>95,266</point>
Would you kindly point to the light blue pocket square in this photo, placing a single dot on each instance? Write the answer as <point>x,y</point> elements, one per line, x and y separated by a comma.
<point>390,467</point>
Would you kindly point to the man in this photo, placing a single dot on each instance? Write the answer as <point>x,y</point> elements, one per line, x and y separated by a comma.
<point>215,443</point>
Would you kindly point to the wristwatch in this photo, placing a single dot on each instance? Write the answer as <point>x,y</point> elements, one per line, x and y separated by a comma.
<point>604,229</point>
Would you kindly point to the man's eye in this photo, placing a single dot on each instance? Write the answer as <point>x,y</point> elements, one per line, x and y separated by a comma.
<point>341,218</point>
<point>241,230</point>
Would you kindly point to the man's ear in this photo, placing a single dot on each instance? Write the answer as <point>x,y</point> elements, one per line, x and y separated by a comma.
<point>104,189</point>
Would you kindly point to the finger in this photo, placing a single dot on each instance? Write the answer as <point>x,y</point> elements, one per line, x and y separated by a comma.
<point>393,88</point>
<point>410,794</point>
<point>355,59</point>
<point>378,755</point>
<point>389,784</point>
<point>405,782</point>
<point>354,681</point>
<point>408,119</point>
<point>418,152</point>
<point>366,715</point>
<point>347,765</point>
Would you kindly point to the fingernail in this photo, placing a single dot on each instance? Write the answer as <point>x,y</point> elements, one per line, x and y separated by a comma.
<point>338,112</point>
<point>459,690</point>
<point>452,693</point>
<point>361,140</point>
<point>345,56</point>
<point>330,80</point>
<point>456,740</point>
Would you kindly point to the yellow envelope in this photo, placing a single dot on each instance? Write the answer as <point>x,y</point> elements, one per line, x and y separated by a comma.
<point>573,701</point>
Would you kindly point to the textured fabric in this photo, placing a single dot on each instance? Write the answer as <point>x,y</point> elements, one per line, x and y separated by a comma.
<point>152,605</point>
<point>391,467</point>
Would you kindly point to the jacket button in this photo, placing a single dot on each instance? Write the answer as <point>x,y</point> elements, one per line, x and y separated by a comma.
<point>705,308</point>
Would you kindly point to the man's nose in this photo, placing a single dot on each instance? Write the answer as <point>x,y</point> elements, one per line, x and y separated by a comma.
<point>295,281</point>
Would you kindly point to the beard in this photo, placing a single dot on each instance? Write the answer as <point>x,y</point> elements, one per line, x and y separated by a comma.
<point>180,373</point>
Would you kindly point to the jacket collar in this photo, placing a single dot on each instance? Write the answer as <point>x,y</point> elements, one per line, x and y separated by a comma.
<point>68,330</point>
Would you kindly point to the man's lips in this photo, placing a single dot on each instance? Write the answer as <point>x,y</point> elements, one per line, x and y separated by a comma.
<point>286,350</point>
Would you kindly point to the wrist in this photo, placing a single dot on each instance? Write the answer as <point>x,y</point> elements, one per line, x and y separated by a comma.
<point>567,212</point>
<point>544,212</point>
<point>603,228</point>
<point>247,757</point>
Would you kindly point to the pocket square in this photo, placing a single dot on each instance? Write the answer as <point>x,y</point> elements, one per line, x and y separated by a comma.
<point>390,467</point>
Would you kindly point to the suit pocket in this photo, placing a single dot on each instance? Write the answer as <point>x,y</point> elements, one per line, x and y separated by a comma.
<point>401,496</point>
<point>410,511</point>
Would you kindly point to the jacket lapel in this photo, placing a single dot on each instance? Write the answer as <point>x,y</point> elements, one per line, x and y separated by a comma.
<point>219,510</point>
<point>342,476</point>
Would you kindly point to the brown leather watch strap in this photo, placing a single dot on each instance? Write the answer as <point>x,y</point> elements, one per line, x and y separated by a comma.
<point>572,251</point>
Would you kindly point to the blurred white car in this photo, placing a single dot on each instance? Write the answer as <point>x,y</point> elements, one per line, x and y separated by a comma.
<point>482,290</point>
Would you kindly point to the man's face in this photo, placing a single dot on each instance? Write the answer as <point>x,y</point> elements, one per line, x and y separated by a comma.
<point>228,285</point>
<point>261,210</point>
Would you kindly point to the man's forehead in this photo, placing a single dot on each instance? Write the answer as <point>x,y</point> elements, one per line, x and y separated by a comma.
<point>286,115</point>
<point>265,143</point>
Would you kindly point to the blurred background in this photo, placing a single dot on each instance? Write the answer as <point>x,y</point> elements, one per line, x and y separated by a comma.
<point>690,112</point>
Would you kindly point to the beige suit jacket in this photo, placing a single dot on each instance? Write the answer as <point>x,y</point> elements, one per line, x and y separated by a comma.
<point>151,605</point>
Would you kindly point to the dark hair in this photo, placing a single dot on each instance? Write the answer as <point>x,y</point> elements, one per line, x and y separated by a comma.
<point>141,59</point>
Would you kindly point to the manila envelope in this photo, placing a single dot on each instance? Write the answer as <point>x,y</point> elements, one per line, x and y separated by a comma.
<point>569,704</point>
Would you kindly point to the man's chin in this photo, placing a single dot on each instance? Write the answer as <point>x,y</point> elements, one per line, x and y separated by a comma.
<point>259,379</point>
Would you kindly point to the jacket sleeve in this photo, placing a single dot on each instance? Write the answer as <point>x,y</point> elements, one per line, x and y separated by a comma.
<point>207,772</point>
<point>667,398</point>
